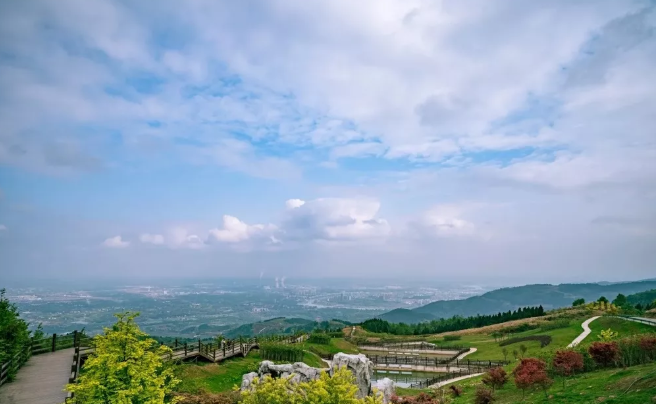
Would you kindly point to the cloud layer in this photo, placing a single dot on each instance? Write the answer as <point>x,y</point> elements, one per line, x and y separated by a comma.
<point>420,134</point>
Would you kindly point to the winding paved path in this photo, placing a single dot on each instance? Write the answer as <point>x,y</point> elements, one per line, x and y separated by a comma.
<point>41,380</point>
<point>585,333</point>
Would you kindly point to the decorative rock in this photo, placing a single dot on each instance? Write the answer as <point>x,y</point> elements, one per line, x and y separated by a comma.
<point>298,372</point>
<point>361,367</point>
<point>386,388</point>
<point>247,381</point>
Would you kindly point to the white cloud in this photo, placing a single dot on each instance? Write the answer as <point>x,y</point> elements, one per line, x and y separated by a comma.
<point>148,238</point>
<point>234,231</point>
<point>334,219</point>
<point>294,203</point>
<point>115,242</point>
<point>181,237</point>
<point>446,220</point>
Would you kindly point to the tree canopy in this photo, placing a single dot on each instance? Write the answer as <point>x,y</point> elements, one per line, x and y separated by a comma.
<point>126,367</point>
<point>450,324</point>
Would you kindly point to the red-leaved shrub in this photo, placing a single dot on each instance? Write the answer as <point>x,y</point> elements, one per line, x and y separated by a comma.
<point>604,353</point>
<point>648,344</point>
<point>567,362</point>
<point>532,372</point>
<point>495,378</point>
<point>421,398</point>
<point>484,396</point>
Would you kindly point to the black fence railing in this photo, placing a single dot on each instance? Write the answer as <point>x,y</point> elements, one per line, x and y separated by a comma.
<point>418,346</point>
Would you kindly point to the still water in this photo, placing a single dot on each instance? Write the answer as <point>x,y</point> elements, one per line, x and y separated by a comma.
<point>403,378</point>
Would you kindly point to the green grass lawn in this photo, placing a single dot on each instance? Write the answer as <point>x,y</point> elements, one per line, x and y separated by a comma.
<point>633,385</point>
<point>623,327</point>
<point>336,345</point>
<point>489,349</point>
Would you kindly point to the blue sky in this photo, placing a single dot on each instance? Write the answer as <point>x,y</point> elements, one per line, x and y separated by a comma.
<point>462,139</point>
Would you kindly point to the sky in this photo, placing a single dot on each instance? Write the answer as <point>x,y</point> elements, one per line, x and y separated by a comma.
<point>466,141</point>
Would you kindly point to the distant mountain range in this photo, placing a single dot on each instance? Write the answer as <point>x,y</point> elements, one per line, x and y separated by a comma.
<point>549,296</point>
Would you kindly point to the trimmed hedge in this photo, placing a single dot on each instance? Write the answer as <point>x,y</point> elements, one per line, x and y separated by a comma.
<point>323,339</point>
<point>281,352</point>
<point>543,339</point>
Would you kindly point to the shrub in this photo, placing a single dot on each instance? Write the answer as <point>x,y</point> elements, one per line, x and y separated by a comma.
<point>278,352</point>
<point>455,390</point>
<point>566,363</point>
<point>543,339</point>
<point>421,398</point>
<point>531,372</point>
<point>607,335</point>
<point>604,353</point>
<point>495,378</point>
<point>648,345</point>
<point>323,339</point>
<point>484,396</point>
<point>339,388</point>
<point>448,338</point>
<point>578,302</point>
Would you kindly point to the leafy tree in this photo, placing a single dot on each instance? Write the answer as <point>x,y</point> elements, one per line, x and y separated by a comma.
<point>14,333</point>
<point>604,353</point>
<point>578,302</point>
<point>338,389</point>
<point>515,353</point>
<point>567,362</point>
<point>126,367</point>
<point>602,299</point>
<point>523,349</point>
<point>504,351</point>
<point>620,300</point>
<point>531,372</point>
<point>495,378</point>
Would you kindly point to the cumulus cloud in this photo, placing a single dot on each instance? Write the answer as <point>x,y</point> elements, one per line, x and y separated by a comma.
<point>234,231</point>
<point>115,242</point>
<point>181,237</point>
<point>148,238</point>
<point>334,219</point>
<point>446,220</point>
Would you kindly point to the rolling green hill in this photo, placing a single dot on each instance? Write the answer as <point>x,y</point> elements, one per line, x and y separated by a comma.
<point>643,298</point>
<point>279,325</point>
<point>549,296</point>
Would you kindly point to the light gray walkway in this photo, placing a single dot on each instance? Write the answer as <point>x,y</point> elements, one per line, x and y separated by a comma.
<point>41,380</point>
<point>585,333</point>
<point>457,379</point>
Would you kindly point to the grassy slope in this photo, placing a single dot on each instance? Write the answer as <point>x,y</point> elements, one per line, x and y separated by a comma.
<point>623,327</point>
<point>336,345</point>
<point>613,386</point>
<point>489,349</point>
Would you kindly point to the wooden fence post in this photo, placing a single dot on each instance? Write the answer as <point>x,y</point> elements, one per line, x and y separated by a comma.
<point>198,345</point>
<point>54,342</point>
<point>185,349</point>
<point>176,342</point>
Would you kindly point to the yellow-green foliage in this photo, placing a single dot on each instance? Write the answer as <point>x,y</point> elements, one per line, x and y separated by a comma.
<point>607,335</point>
<point>126,367</point>
<point>339,389</point>
<point>604,306</point>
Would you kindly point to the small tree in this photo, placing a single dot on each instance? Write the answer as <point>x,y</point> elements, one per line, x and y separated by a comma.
<point>602,299</point>
<point>603,353</point>
<point>126,367</point>
<point>620,300</point>
<point>504,351</point>
<point>578,302</point>
<point>484,396</point>
<point>523,349</point>
<point>531,372</point>
<point>515,353</point>
<point>495,378</point>
<point>566,363</point>
<point>648,346</point>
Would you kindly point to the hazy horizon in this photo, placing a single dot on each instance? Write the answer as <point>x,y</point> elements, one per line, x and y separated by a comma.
<point>462,142</point>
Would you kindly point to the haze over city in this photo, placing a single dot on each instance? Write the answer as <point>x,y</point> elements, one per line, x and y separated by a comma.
<point>454,141</point>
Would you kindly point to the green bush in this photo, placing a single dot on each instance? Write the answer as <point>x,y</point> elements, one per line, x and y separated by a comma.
<point>448,338</point>
<point>323,339</point>
<point>281,352</point>
<point>544,340</point>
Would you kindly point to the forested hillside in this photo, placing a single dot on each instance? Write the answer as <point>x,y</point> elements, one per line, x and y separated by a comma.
<point>502,300</point>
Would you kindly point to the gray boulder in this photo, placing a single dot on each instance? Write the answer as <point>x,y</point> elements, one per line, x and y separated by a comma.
<point>247,381</point>
<point>385,387</point>
<point>361,367</point>
<point>298,372</point>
